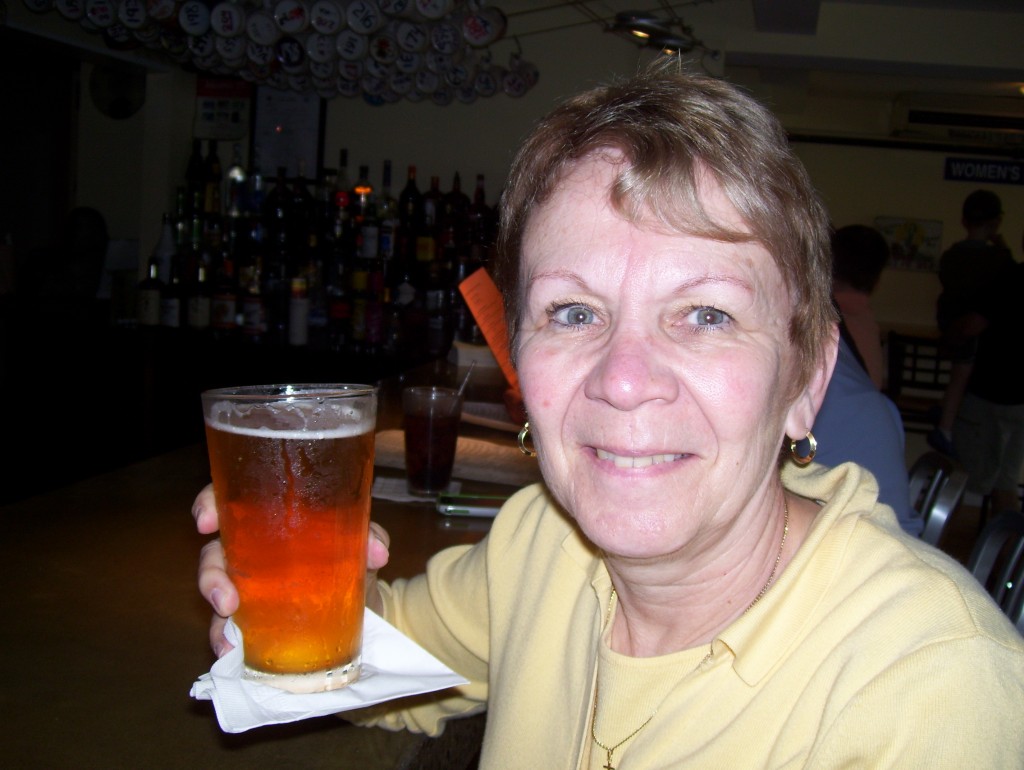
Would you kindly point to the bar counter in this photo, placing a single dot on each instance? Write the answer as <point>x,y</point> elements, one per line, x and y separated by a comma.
<point>105,632</point>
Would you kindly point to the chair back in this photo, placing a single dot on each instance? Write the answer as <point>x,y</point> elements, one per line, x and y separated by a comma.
<point>918,373</point>
<point>937,485</point>
<point>997,561</point>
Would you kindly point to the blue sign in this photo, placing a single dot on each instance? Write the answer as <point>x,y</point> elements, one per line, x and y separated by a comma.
<point>984,171</point>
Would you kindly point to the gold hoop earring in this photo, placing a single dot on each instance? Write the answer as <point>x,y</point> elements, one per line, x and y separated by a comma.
<point>811,451</point>
<point>522,440</point>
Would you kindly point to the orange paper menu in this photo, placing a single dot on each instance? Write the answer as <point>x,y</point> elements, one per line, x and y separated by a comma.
<point>485,303</point>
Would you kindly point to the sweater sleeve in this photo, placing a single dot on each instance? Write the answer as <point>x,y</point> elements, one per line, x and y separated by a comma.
<point>952,704</point>
<point>445,612</point>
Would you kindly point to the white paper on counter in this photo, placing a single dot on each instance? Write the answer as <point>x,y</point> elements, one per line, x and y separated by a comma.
<point>474,459</point>
<point>393,666</point>
<point>397,489</point>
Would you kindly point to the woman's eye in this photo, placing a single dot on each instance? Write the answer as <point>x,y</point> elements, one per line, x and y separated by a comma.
<point>573,315</point>
<point>709,316</point>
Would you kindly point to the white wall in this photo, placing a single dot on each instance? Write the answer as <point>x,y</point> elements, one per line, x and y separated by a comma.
<point>861,183</point>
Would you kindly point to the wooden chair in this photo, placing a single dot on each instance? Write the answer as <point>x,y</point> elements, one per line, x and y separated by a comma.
<point>937,485</point>
<point>917,378</point>
<point>997,561</point>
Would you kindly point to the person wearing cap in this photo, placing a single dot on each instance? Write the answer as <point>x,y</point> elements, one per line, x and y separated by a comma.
<point>966,270</point>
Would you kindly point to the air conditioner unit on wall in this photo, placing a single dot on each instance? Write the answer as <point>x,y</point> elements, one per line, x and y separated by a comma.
<point>989,121</point>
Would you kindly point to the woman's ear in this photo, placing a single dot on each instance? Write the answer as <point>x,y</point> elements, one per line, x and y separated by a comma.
<point>804,410</point>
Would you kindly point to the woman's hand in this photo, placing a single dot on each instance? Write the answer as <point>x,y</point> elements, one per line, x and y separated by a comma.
<point>217,588</point>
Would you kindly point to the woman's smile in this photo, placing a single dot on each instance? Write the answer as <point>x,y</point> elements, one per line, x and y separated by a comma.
<point>636,460</point>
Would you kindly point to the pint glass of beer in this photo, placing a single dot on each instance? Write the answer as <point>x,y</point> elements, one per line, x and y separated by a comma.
<point>292,469</point>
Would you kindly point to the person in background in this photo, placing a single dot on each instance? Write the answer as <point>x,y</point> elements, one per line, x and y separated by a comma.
<point>988,432</point>
<point>858,423</point>
<point>859,254</point>
<point>966,270</point>
<point>685,589</point>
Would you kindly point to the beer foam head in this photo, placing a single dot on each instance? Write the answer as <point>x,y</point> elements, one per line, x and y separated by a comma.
<point>292,419</point>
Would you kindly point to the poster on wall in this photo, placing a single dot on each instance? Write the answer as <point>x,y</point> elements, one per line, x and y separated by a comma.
<point>287,132</point>
<point>222,108</point>
<point>914,244</point>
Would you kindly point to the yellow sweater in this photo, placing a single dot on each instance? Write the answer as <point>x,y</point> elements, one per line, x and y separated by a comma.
<point>870,650</point>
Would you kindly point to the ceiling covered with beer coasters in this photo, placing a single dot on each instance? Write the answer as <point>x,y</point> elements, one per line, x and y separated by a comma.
<point>381,50</point>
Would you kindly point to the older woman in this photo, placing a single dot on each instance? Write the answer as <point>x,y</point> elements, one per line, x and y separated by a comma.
<point>677,593</point>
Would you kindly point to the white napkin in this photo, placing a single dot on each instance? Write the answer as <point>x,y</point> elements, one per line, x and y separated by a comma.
<point>397,489</point>
<point>393,667</point>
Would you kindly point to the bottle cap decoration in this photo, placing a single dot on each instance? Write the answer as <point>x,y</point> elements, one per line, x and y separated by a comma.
<point>383,50</point>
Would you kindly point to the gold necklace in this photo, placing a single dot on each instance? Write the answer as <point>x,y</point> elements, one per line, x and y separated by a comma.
<point>610,750</point>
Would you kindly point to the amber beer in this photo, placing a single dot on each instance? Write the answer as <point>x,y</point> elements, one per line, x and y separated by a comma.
<point>292,470</point>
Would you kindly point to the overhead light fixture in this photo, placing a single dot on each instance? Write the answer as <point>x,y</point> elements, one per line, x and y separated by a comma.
<point>639,24</point>
<point>673,44</point>
<point>649,31</point>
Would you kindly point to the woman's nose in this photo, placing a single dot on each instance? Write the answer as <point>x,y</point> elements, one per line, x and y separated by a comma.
<point>631,371</point>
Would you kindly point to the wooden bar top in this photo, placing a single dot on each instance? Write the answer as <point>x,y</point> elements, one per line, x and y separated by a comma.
<point>105,632</point>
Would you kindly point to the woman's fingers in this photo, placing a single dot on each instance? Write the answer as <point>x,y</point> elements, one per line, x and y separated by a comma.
<point>204,511</point>
<point>377,547</point>
<point>376,557</point>
<point>218,642</point>
<point>219,591</point>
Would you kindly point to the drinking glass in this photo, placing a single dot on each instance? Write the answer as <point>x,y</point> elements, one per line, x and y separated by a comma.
<point>292,469</point>
<point>431,416</point>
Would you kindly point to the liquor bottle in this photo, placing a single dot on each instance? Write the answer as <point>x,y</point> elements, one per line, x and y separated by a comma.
<point>364,216</point>
<point>301,211</point>
<point>455,203</point>
<point>410,217</point>
<point>213,179</point>
<point>237,179</point>
<point>171,297</point>
<point>198,292</point>
<point>375,306</point>
<point>339,302</point>
<point>359,279</point>
<point>315,274</point>
<point>463,322</point>
<point>181,222</point>
<point>426,237</point>
<point>252,307</point>
<point>275,287</point>
<point>276,207</point>
<point>165,249</point>
<point>438,322</point>
<point>148,297</point>
<point>195,170</point>
<point>256,198</point>
<point>298,313</point>
<point>481,225</point>
<point>192,247</point>
<point>199,300</point>
<point>408,301</point>
<point>343,185</point>
<point>224,302</point>
<point>323,204</point>
<point>387,218</point>
<point>453,227</point>
<point>393,343</point>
